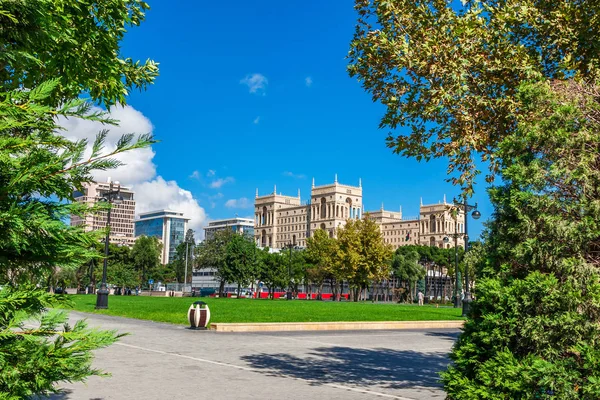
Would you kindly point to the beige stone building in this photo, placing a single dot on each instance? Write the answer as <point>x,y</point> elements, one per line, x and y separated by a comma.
<point>280,220</point>
<point>122,214</point>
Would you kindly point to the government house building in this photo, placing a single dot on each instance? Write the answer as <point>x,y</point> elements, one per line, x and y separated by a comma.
<point>281,220</point>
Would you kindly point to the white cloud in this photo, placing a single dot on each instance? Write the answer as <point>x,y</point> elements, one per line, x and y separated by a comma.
<point>256,120</point>
<point>139,172</point>
<point>308,81</point>
<point>138,163</point>
<point>292,175</point>
<point>195,175</point>
<point>239,203</point>
<point>158,194</point>
<point>217,183</point>
<point>211,172</point>
<point>257,83</point>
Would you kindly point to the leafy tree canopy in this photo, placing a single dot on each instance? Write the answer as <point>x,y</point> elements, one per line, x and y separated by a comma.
<point>76,42</point>
<point>450,74</point>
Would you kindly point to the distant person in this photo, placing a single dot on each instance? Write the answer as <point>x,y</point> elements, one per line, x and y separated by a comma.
<point>137,290</point>
<point>421,296</point>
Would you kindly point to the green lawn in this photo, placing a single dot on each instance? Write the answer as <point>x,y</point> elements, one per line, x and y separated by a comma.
<point>174,310</point>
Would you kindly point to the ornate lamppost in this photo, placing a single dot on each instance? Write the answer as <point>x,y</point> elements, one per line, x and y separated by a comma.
<point>466,304</point>
<point>455,235</point>
<point>289,291</point>
<point>112,196</point>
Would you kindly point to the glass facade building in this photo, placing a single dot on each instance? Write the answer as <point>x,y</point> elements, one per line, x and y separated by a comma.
<point>166,225</point>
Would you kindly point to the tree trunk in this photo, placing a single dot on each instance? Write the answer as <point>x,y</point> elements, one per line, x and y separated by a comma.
<point>221,288</point>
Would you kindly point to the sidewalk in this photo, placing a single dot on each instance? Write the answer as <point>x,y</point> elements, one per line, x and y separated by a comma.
<point>159,361</point>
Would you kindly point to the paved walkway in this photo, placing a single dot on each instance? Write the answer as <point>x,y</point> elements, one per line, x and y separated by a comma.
<point>162,361</point>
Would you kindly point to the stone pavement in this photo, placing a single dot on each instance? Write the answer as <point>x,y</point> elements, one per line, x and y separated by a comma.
<point>163,361</point>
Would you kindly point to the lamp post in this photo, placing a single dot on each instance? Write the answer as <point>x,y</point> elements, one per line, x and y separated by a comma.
<point>476,215</point>
<point>289,291</point>
<point>112,196</point>
<point>455,235</point>
<point>466,304</point>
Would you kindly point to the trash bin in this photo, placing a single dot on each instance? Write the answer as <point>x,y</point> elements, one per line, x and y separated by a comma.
<point>199,315</point>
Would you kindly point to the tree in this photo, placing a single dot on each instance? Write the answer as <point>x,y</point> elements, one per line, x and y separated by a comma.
<point>146,256</point>
<point>211,254</point>
<point>53,51</point>
<point>34,357</point>
<point>322,253</point>
<point>533,330</point>
<point>406,268</point>
<point>273,271</point>
<point>240,257</point>
<point>77,43</point>
<point>451,73</point>
<point>364,255</point>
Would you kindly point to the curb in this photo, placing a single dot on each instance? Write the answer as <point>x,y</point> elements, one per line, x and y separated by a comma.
<point>333,326</point>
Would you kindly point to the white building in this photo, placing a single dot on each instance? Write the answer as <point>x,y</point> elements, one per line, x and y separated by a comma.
<point>237,225</point>
<point>168,226</point>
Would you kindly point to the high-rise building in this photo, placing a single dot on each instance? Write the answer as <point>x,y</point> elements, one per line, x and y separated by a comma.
<point>243,226</point>
<point>122,213</point>
<point>281,220</point>
<point>166,225</point>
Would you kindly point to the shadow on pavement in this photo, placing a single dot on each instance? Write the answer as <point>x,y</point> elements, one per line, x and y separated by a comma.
<point>445,335</point>
<point>387,368</point>
<point>63,395</point>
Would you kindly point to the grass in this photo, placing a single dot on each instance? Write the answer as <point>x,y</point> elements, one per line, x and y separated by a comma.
<point>174,310</point>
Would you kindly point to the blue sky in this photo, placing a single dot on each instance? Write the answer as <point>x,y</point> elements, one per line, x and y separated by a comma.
<point>221,137</point>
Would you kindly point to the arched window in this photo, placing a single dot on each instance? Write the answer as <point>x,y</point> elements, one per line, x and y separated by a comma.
<point>323,208</point>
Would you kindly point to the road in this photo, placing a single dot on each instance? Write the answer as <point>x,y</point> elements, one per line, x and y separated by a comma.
<point>163,361</point>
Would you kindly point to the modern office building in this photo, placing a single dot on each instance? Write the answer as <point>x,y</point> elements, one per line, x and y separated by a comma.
<point>280,220</point>
<point>243,226</point>
<point>122,213</point>
<point>166,225</point>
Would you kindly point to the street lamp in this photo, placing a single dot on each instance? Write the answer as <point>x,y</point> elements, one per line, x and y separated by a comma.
<point>112,196</point>
<point>476,215</point>
<point>455,235</point>
<point>289,291</point>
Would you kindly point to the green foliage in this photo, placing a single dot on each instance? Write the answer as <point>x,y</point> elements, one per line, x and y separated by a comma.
<point>39,348</point>
<point>407,269</point>
<point>533,331</point>
<point>146,256</point>
<point>36,164</point>
<point>273,270</point>
<point>76,42</point>
<point>240,257</point>
<point>53,51</point>
<point>451,73</point>
<point>322,252</point>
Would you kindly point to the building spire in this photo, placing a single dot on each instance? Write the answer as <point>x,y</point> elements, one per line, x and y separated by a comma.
<point>359,182</point>
<point>313,182</point>
<point>298,192</point>
<point>335,179</point>
<point>256,192</point>
<point>274,189</point>
<point>382,206</point>
<point>421,202</point>
<point>444,198</point>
